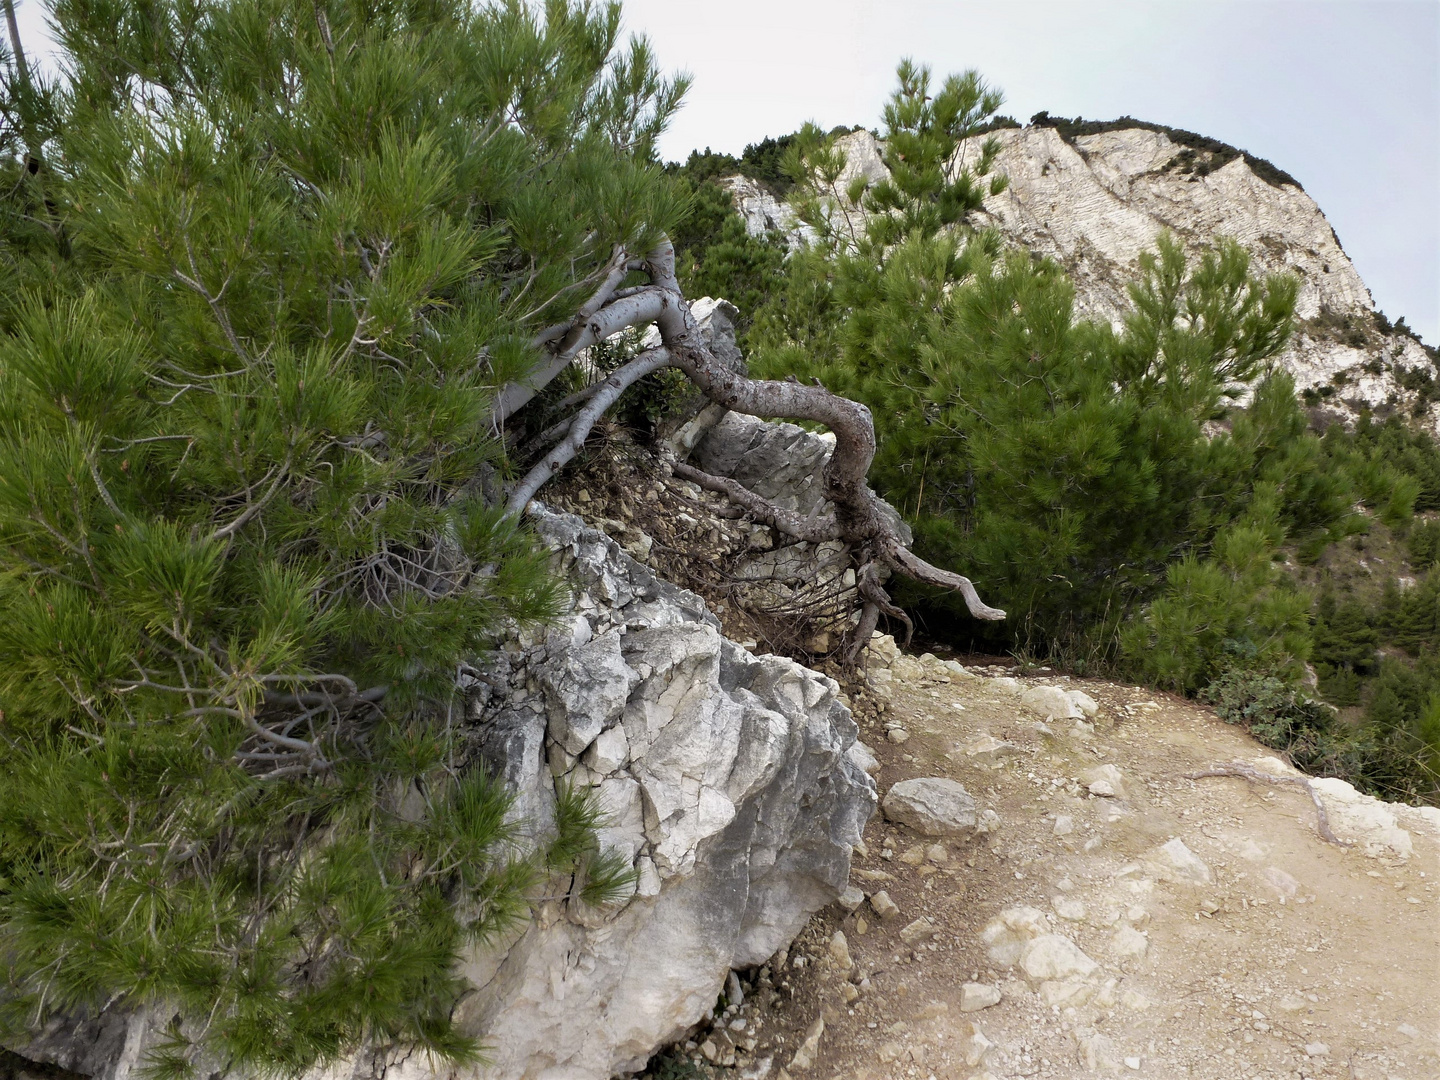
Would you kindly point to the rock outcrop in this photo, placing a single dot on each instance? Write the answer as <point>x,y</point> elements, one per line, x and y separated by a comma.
<point>1094,202</point>
<point>729,788</point>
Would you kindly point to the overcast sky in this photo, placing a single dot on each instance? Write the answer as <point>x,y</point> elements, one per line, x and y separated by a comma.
<point>1342,94</point>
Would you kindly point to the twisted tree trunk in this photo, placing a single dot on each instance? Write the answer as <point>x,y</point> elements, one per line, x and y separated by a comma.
<point>858,520</point>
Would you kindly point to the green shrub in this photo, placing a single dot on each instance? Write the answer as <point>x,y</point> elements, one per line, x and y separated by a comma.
<point>1269,708</point>
<point>288,253</point>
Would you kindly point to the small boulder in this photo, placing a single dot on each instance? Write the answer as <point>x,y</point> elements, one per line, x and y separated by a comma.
<point>883,906</point>
<point>1051,956</point>
<point>1084,702</point>
<point>1176,863</point>
<point>974,1045</point>
<point>883,649</point>
<point>922,929</point>
<point>977,996</point>
<point>805,1056</point>
<point>840,951</point>
<point>1097,1054</point>
<point>1104,780</point>
<point>1050,703</point>
<point>933,806</point>
<point>851,898</point>
<point>907,669</point>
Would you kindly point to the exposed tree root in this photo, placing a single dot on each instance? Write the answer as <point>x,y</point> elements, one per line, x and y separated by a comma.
<point>814,530</point>
<point>1249,772</point>
<point>858,519</point>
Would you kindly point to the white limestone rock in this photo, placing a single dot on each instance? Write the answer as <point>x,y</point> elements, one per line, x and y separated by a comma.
<point>934,806</point>
<point>1052,956</point>
<point>1174,862</point>
<point>851,898</point>
<point>585,690</point>
<point>1050,703</point>
<point>727,786</point>
<point>864,757</point>
<point>1104,780</point>
<point>1095,203</point>
<point>922,929</point>
<point>976,996</point>
<point>1363,819</point>
<point>1006,935</point>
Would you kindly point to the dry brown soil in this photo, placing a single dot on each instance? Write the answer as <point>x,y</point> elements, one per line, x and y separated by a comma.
<point>1237,979</point>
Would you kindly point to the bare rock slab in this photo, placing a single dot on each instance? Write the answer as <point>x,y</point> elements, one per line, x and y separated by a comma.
<point>1176,863</point>
<point>934,806</point>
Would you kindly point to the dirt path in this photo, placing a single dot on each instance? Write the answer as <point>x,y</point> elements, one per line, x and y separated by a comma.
<point>1297,958</point>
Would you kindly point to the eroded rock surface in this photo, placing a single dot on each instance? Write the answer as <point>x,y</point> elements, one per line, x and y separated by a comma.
<point>731,791</point>
<point>730,788</point>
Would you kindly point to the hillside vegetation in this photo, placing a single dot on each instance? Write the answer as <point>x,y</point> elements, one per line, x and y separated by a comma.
<point>1106,485</point>
<point>269,272</point>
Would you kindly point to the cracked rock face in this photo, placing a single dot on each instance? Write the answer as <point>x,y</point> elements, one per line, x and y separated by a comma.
<point>730,790</point>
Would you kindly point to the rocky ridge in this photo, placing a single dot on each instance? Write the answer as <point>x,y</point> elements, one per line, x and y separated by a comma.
<point>1094,203</point>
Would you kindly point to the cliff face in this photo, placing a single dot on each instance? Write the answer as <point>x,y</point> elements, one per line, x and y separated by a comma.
<point>1094,203</point>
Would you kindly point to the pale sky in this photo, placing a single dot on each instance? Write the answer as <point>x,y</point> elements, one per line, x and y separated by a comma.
<point>1342,94</point>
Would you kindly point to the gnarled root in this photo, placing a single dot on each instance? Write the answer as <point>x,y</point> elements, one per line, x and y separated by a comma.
<point>1249,772</point>
<point>857,521</point>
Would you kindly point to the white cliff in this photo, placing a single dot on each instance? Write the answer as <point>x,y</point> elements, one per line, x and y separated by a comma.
<point>1096,203</point>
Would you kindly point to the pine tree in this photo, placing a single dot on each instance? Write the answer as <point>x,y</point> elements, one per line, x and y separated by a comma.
<point>258,304</point>
<point>1066,463</point>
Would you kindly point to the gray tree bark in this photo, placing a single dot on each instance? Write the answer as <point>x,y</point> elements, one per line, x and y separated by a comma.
<point>857,521</point>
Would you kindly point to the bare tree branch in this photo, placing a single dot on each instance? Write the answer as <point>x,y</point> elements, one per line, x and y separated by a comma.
<point>562,453</point>
<point>860,519</point>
